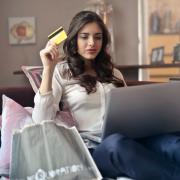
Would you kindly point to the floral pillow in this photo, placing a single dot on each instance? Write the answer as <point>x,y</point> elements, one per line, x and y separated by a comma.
<point>14,116</point>
<point>34,74</point>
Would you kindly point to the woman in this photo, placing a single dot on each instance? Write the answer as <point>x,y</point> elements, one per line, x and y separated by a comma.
<point>80,81</point>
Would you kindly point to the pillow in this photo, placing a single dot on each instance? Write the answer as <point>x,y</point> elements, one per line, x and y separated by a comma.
<point>33,73</point>
<point>14,116</point>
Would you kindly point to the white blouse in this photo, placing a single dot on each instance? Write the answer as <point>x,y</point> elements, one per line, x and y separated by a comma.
<point>87,109</point>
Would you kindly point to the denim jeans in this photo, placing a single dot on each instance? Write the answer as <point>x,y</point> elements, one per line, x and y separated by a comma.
<point>151,158</point>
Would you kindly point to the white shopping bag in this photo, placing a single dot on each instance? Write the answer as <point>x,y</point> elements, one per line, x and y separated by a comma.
<point>50,151</point>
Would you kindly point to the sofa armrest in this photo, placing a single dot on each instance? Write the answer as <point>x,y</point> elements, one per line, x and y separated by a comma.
<point>24,95</point>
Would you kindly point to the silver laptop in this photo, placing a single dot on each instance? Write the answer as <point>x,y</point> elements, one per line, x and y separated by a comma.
<point>141,111</point>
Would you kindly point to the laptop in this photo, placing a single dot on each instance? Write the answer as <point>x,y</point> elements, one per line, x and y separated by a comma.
<point>141,111</point>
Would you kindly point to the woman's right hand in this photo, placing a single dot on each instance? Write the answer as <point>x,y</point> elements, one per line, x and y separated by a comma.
<point>50,55</point>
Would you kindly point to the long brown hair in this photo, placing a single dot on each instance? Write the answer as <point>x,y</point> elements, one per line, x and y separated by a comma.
<point>102,64</point>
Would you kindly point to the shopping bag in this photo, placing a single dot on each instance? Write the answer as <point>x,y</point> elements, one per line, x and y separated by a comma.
<point>50,151</point>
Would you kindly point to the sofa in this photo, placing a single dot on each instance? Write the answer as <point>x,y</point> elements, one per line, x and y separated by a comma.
<point>23,95</point>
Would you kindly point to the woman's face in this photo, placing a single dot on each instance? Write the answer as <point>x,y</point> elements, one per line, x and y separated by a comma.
<point>89,41</point>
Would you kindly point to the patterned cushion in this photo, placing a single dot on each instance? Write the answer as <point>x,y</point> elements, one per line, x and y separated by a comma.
<point>33,73</point>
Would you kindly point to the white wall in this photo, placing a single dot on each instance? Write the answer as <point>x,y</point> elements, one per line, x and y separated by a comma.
<point>49,15</point>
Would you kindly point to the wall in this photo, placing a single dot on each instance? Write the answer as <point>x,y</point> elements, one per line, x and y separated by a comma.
<point>49,15</point>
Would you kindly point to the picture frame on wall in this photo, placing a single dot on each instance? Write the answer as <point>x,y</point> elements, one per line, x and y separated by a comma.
<point>157,55</point>
<point>21,30</point>
<point>176,54</point>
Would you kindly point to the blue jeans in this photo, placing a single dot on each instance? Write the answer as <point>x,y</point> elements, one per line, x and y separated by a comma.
<point>152,158</point>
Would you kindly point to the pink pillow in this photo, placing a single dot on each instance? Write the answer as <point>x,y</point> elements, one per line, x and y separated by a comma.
<point>14,116</point>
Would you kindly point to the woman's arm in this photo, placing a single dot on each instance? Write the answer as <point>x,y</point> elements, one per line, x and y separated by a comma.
<point>47,105</point>
<point>48,97</point>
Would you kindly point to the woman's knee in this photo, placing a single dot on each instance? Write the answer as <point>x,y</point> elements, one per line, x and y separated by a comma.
<point>109,144</point>
<point>115,144</point>
<point>105,155</point>
<point>114,140</point>
<point>113,155</point>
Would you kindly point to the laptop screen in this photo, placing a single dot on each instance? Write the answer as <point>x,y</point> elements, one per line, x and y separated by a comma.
<point>141,111</point>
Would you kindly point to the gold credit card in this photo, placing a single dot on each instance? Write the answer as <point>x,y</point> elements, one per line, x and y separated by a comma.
<point>58,35</point>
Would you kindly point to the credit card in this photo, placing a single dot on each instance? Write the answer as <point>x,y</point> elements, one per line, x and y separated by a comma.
<point>58,35</point>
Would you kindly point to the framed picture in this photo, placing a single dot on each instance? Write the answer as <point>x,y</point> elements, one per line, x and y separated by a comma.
<point>157,55</point>
<point>176,53</point>
<point>22,30</point>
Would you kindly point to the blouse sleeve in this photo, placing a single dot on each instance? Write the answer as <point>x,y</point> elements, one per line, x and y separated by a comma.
<point>47,105</point>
